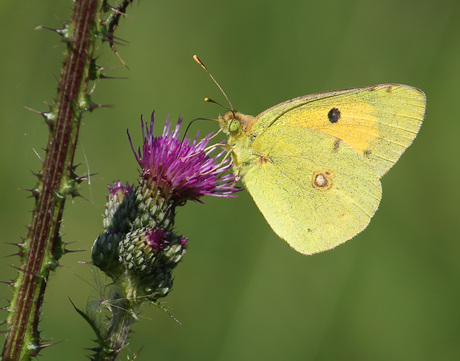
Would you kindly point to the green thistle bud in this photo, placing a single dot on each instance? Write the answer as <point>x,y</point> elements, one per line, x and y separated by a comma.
<point>149,256</point>
<point>104,254</point>
<point>120,208</point>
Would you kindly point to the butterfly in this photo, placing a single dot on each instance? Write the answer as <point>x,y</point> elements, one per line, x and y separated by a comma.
<point>313,164</point>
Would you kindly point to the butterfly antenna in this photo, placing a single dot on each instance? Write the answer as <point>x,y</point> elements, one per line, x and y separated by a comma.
<point>215,82</point>
<point>209,100</point>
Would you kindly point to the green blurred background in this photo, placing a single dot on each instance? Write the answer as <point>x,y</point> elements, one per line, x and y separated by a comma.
<point>241,293</point>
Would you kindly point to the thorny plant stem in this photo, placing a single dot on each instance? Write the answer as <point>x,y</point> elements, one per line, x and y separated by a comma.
<point>42,247</point>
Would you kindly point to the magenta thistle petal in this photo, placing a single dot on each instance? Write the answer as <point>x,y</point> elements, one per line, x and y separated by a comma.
<point>119,190</point>
<point>156,239</point>
<point>182,169</point>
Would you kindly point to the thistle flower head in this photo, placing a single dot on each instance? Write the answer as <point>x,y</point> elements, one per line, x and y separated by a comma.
<point>182,170</point>
<point>139,248</point>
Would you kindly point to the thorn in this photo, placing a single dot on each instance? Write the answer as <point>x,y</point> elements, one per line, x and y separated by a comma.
<point>38,175</point>
<point>114,77</point>
<point>90,106</point>
<point>15,244</point>
<point>103,76</point>
<point>67,243</point>
<point>97,72</point>
<point>34,192</point>
<point>48,116</point>
<point>118,12</point>
<point>62,32</point>
<point>73,250</point>
<point>11,283</point>
<point>91,92</point>
<point>62,266</point>
<point>80,196</point>
<point>40,347</point>
<point>27,190</point>
<point>83,178</point>
<point>74,168</point>
<point>20,254</point>
<point>116,40</point>
<point>38,156</point>
<point>119,56</point>
<point>22,270</point>
<point>97,106</point>
<point>35,111</point>
<point>17,268</point>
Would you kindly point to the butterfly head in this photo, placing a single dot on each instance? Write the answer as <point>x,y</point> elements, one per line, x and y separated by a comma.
<point>234,123</point>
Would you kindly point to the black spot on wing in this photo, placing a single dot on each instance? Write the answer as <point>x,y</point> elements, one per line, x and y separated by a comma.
<point>334,115</point>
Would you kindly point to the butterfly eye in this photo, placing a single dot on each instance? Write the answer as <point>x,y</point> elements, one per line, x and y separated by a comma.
<point>233,125</point>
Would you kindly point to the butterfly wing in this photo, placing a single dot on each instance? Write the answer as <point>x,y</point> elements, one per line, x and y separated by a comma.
<point>314,195</point>
<point>379,122</point>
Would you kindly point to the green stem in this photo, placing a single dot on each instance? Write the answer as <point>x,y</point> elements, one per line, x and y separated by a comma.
<point>120,324</point>
<point>123,314</point>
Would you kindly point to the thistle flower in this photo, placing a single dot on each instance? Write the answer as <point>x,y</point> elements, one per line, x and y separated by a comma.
<point>139,248</point>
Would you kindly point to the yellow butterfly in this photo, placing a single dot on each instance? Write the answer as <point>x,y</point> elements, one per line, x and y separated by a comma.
<point>313,164</point>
